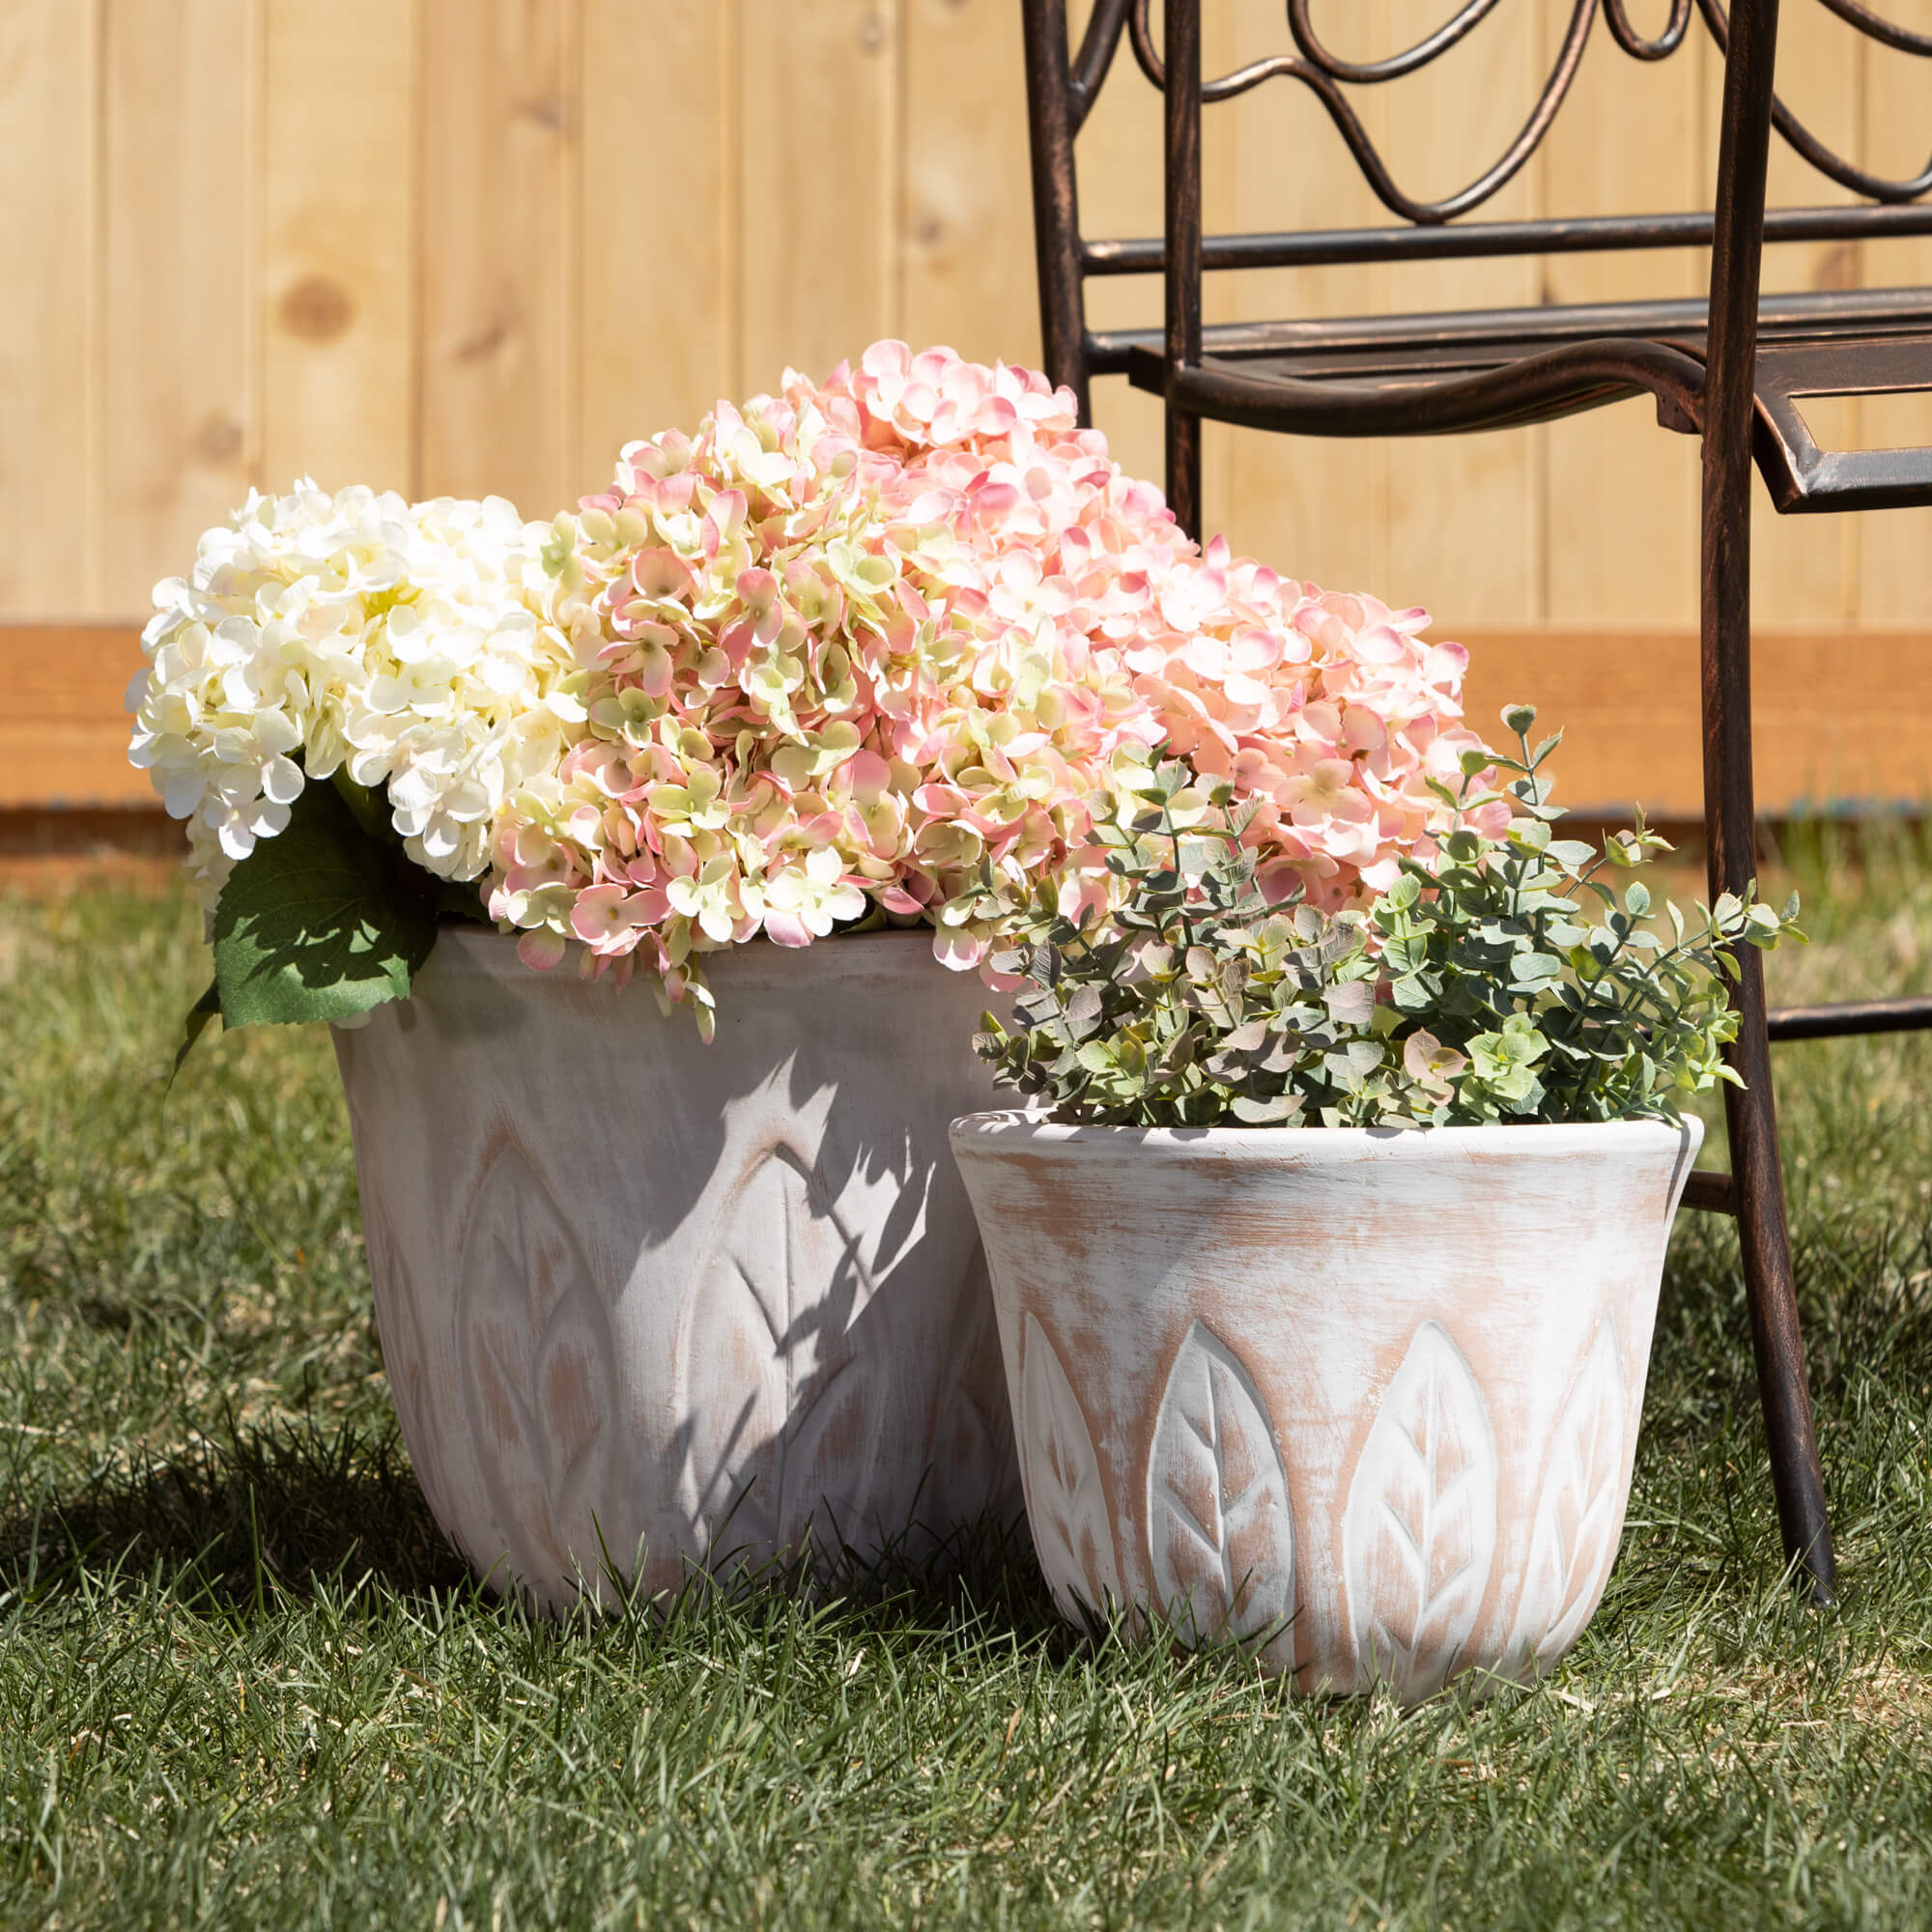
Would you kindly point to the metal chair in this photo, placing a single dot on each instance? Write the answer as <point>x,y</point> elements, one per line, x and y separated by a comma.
<point>1732,370</point>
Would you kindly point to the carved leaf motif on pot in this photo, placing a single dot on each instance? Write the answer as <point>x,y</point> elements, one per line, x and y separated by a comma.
<point>974,1461</point>
<point>782,1424</point>
<point>539,1361</point>
<point>1220,1527</point>
<point>1578,1513</point>
<point>1066,1508</point>
<point>1419,1535</point>
<point>406,1355</point>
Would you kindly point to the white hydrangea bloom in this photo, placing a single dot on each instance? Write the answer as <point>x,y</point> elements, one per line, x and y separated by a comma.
<point>411,644</point>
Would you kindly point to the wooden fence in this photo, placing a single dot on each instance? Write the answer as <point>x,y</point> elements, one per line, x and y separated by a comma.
<point>474,245</point>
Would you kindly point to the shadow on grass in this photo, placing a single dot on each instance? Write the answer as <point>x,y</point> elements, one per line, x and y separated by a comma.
<point>234,1523</point>
<point>262,1519</point>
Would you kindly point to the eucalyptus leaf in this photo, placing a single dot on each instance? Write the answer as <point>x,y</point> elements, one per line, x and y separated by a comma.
<point>1569,853</point>
<point>1287,1015</point>
<point>195,1023</point>
<point>1265,1113</point>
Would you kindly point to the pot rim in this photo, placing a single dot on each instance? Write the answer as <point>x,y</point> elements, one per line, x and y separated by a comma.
<point>752,964</point>
<point>1014,1129</point>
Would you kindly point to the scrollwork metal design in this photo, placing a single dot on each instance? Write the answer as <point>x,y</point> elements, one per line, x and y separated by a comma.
<point>1395,66</point>
<point>1799,137</point>
<point>1635,45</point>
<point>1326,74</point>
<point>1888,33</point>
<point>1089,67</point>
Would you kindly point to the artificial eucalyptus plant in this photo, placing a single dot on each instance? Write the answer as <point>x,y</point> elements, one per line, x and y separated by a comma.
<point>1504,981</point>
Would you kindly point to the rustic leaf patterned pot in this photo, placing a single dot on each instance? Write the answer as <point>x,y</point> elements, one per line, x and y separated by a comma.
<point>638,1293</point>
<point>1365,1400</point>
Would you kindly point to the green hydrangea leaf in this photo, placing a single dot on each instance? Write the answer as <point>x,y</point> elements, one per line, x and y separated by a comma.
<point>463,899</point>
<point>194,1025</point>
<point>314,925</point>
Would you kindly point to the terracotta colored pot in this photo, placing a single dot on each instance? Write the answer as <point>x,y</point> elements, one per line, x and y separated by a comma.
<point>1366,1400</point>
<point>641,1295</point>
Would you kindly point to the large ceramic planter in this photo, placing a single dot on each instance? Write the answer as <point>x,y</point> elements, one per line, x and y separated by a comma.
<point>1366,1400</point>
<point>647,1303</point>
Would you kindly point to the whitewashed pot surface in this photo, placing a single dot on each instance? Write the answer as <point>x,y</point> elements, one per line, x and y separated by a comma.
<point>640,1294</point>
<point>1369,1399</point>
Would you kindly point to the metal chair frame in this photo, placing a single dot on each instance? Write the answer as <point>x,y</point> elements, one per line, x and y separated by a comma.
<point>1732,369</point>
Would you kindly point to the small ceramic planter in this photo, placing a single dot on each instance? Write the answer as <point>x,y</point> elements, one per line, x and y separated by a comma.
<point>639,1294</point>
<point>1365,1400</point>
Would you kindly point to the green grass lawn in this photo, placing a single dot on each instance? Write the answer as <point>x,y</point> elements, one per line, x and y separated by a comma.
<point>243,1682</point>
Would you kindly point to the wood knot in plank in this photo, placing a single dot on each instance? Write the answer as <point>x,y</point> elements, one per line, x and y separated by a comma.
<point>488,340</point>
<point>551,112</point>
<point>316,309</point>
<point>218,439</point>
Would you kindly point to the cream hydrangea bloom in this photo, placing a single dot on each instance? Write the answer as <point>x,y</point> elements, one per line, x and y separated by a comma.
<point>894,644</point>
<point>405,644</point>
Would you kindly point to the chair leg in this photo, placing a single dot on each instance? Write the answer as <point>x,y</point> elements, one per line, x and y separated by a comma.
<point>1182,241</point>
<point>1729,803</point>
<point>1771,1291</point>
<point>1183,469</point>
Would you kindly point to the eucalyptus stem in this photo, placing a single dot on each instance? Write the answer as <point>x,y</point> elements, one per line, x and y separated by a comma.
<point>1461,995</point>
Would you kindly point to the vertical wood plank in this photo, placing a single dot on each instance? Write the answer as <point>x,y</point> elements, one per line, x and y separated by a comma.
<point>500,259</point>
<point>1620,511</point>
<point>1119,157</point>
<point>1122,194</point>
<point>1464,521</point>
<point>969,264</point>
<point>1220,443</point>
<point>180,420</point>
<point>1312,507</point>
<point>658,220</point>
<point>339,221</point>
<point>48,206</point>
<point>1805,569</point>
<point>819,196</point>
<point>1895,559</point>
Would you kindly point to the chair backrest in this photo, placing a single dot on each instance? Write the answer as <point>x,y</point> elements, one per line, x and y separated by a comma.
<point>1063,85</point>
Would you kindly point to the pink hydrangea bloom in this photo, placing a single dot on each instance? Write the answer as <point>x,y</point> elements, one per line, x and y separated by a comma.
<point>1328,713</point>
<point>890,639</point>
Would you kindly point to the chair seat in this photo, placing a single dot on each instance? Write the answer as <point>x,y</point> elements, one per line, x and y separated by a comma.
<point>1495,368</point>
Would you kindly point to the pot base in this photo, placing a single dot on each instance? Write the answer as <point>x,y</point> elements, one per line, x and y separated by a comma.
<point>647,1304</point>
<point>1364,1401</point>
